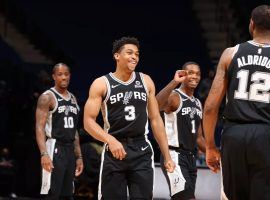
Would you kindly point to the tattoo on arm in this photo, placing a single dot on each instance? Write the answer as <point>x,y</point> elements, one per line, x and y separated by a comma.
<point>77,149</point>
<point>43,106</point>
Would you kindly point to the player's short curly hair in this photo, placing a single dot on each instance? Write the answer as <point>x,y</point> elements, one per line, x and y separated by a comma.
<point>118,44</point>
<point>55,67</point>
<point>184,66</point>
<point>261,17</point>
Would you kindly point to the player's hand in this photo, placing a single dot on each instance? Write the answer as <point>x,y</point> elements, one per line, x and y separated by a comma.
<point>180,76</point>
<point>46,163</point>
<point>169,165</point>
<point>116,148</point>
<point>213,159</point>
<point>79,166</point>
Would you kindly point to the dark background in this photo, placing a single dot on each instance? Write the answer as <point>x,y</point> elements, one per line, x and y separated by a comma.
<point>80,34</point>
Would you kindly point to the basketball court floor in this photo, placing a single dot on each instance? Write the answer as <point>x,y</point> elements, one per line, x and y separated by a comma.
<point>207,185</point>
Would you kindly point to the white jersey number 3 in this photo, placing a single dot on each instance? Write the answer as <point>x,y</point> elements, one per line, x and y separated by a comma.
<point>130,113</point>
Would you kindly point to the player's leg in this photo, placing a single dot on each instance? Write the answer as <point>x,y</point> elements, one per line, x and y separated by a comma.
<point>112,182</point>
<point>68,181</point>
<point>192,175</point>
<point>140,175</point>
<point>234,162</point>
<point>259,162</point>
<point>57,175</point>
<point>188,169</point>
<point>180,182</point>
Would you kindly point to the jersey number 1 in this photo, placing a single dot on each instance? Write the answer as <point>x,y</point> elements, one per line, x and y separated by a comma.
<point>193,130</point>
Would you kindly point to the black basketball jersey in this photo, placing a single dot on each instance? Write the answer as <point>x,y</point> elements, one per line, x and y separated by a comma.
<point>124,108</point>
<point>248,94</point>
<point>182,125</point>
<point>63,119</point>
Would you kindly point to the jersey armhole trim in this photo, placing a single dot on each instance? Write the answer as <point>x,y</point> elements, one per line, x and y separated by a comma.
<point>236,47</point>
<point>199,103</point>
<point>75,99</point>
<point>181,101</point>
<point>235,50</point>
<point>56,102</point>
<point>144,84</point>
<point>108,93</point>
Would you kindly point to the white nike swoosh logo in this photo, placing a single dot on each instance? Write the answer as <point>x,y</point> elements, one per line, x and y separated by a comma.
<point>143,148</point>
<point>60,99</point>
<point>114,86</point>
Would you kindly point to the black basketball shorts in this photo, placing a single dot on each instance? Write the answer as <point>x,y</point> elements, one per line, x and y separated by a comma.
<point>135,172</point>
<point>245,157</point>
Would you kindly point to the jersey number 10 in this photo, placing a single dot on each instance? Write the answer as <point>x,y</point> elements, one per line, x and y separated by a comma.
<point>68,122</point>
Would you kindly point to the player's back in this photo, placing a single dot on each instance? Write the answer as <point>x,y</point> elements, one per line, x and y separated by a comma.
<point>248,94</point>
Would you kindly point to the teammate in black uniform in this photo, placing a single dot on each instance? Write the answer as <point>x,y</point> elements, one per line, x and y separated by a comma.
<point>127,99</point>
<point>182,116</point>
<point>243,73</point>
<point>57,138</point>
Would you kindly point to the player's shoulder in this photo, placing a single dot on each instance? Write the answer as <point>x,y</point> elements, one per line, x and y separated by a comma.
<point>198,102</point>
<point>230,50</point>
<point>47,94</point>
<point>100,81</point>
<point>149,83</point>
<point>99,86</point>
<point>46,98</point>
<point>144,75</point>
<point>227,56</point>
<point>72,96</point>
<point>147,78</point>
<point>176,94</point>
<point>174,99</point>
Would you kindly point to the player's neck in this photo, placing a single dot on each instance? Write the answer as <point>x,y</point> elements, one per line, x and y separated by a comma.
<point>123,75</point>
<point>62,91</point>
<point>188,92</point>
<point>262,38</point>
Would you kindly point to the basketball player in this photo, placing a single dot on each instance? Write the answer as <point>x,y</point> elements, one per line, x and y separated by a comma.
<point>57,138</point>
<point>127,99</point>
<point>182,116</point>
<point>243,73</point>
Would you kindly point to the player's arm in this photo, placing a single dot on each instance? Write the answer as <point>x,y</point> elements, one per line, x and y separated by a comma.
<point>163,96</point>
<point>78,154</point>
<point>211,109</point>
<point>43,107</point>
<point>200,139</point>
<point>91,111</point>
<point>157,124</point>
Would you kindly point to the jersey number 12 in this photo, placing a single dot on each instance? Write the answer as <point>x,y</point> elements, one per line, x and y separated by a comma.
<point>259,89</point>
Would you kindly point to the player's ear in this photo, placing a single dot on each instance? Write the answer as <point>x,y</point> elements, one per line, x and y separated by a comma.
<point>116,56</point>
<point>251,27</point>
<point>53,76</point>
